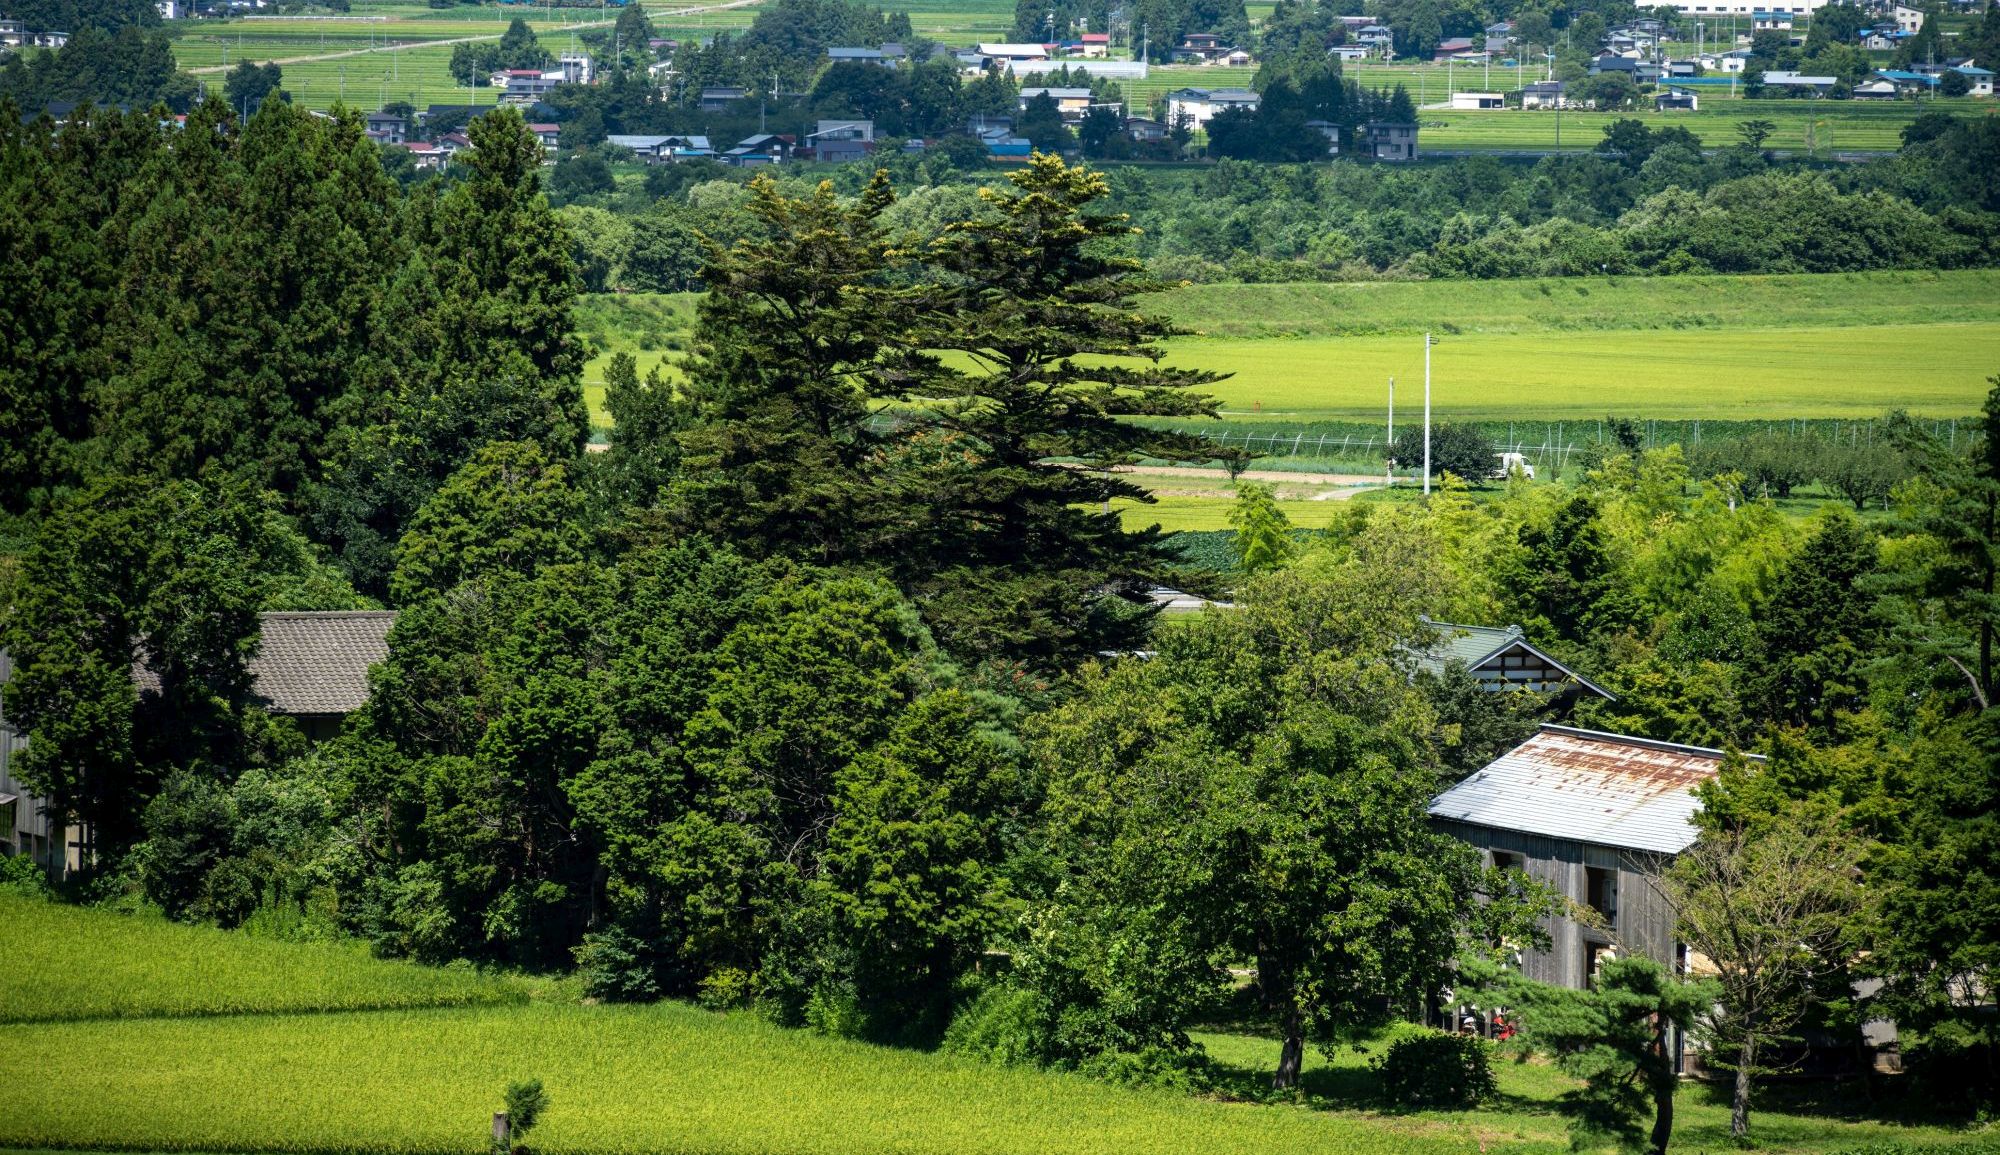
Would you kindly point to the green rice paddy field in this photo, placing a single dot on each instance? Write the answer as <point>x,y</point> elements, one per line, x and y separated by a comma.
<point>662,1078</point>
<point>1707,348</point>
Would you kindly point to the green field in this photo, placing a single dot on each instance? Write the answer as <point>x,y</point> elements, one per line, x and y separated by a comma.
<point>660,1078</point>
<point>1849,345</point>
<point>392,50</point>
<point>137,966</point>
<point>1737,375</point>
<point>1835,126</point>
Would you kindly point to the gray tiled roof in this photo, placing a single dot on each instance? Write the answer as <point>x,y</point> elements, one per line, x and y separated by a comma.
<point>317,663</point>
<point>1477,645</point>
<point>312,662</point>
<point>1469,644</point>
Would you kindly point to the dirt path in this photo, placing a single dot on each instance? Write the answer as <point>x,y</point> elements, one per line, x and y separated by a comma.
<point>1352,479</point>
<point>342,55</point>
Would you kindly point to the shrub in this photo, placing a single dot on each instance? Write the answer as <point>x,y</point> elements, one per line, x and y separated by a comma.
<point>1435,1070</point>
<point>618,966</point>
<point>1003,1025</point>
<point>23,877</point>
<point>525,1103</point>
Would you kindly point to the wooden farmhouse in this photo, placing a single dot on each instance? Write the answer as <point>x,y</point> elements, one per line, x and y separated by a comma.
<point>311,667</point>
<point>1598,817</point>
<point>1504,659</point>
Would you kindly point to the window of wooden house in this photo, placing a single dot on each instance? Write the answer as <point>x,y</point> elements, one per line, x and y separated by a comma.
<point>1506,860</point>
<point>1601,892</point>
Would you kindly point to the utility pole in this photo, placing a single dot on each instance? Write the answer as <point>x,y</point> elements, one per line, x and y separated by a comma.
<point>1389,446</point>
<point>1427,413</point>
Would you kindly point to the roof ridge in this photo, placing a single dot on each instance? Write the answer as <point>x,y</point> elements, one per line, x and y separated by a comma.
<point>322,615</point>
<point>1634,740</point>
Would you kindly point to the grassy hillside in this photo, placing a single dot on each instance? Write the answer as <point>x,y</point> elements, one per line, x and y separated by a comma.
<point>61,962</point>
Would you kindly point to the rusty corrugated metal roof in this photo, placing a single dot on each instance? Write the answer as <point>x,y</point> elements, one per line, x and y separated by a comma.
<point>1588,786</point>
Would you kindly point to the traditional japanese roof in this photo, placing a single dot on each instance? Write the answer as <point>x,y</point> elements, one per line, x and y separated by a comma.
<point>1478,645</point>
<point>1588,786</point>
<point>311,662</point>
<point>317,663</point>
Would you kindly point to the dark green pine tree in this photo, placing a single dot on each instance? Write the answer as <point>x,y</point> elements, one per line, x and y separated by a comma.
<point>1009,554</point>
<point>773,453</point>
<point>64,212</point>
<point>240,356</point>
<point>473,343</point>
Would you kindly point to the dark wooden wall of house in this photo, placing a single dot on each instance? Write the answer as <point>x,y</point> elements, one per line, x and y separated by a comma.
<point>1644,922</point>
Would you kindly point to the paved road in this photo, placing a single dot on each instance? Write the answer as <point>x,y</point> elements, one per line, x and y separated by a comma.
<point>215,68</point>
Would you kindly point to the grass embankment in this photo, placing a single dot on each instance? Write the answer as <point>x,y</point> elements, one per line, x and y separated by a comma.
<point>1848,345</point>
<point>662,1078</point>
<point>61,962</point>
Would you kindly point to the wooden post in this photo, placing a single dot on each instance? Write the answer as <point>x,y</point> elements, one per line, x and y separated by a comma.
<point>501,1130</point>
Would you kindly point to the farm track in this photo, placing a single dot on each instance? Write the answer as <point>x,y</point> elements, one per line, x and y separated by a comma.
<point>1207,473</point>
<point>351,52</point>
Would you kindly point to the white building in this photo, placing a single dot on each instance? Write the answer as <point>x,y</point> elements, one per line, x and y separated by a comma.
<point>1909,21</point>
<point>1199,105</point>
<point>1749,10</point>
<point>1477,100</point>
<point>1011,53</point>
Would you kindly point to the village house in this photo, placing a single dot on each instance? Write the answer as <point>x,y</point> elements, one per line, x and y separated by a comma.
<point>1094,45</point>
<point>1543,94</point>
<point>311,667</point>
<point>718,98</point>
<point>1198,106</point>
<point>24,822</point>
<point>1390,140</point>
<point>1796,82</point>
<point>1330,131</point>
<point>763,148</point>
<point>1145,130</point>
<point>1597,817</point>
<point>1503,659</point>
<point>1073,103</point>
<point>1007,54</point>
<point>1676,100</point>
<point>1201,48</point>
<point>859,56</point>
<point>549,134</point>
<point>1906,83</point>
<point>391,129</point>
<point>429,157</point>
<point>1477,100</point>
<point>835,141</point>
<point>1452,48</point>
